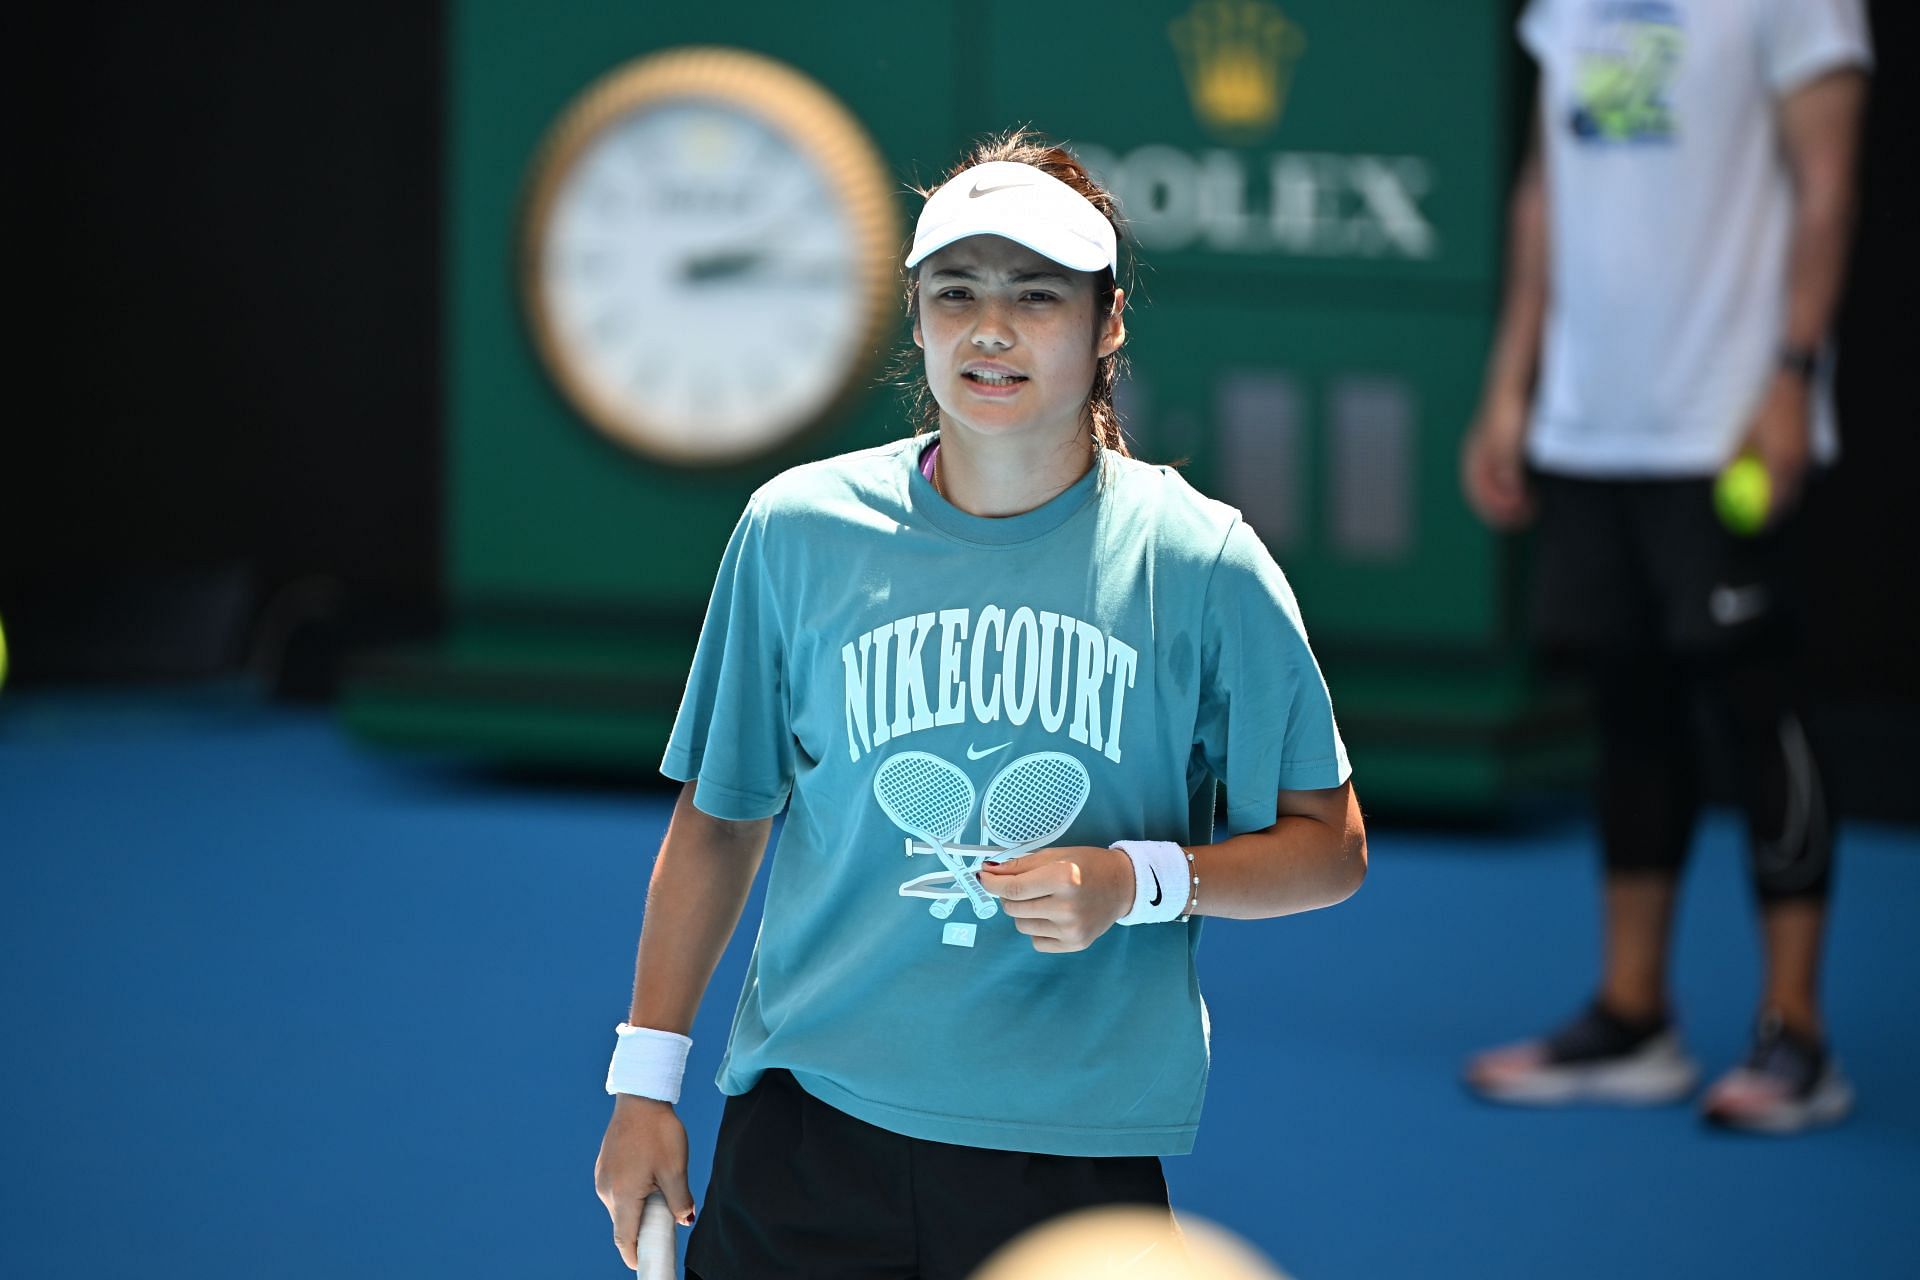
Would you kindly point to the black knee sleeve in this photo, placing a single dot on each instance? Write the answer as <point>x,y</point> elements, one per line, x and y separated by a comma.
<point>1649,782</point>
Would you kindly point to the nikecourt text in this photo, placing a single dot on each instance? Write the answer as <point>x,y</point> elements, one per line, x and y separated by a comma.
<point>985,665</point>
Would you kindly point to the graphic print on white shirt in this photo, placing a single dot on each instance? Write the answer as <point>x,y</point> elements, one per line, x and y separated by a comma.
<point>1624,73</point>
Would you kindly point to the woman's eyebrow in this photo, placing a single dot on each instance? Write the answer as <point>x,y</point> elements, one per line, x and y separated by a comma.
<point>1019,277</point>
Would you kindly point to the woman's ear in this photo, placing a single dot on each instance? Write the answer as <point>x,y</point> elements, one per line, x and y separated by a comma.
<point>916,330</point>
<point>1113,330</point>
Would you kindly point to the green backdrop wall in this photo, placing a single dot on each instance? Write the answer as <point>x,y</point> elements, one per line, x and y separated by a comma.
<point>1313,302</point>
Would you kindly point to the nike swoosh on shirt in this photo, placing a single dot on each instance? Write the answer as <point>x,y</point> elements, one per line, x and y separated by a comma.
<point>982,755</point>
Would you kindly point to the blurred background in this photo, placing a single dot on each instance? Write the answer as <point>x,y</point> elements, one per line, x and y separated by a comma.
<point>347,594</point>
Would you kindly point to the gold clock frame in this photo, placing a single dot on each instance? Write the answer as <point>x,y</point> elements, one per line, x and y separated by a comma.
<point>792,105</point>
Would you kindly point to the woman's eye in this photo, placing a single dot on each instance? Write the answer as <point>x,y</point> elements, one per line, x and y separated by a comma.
<point>1040,296</point>
<point>953,295</point>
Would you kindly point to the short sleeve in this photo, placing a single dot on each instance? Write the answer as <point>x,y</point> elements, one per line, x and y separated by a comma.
<point>1535,28</point>
<point>1265,720</point>
<point>1801,40</point>
<point>732,732</point>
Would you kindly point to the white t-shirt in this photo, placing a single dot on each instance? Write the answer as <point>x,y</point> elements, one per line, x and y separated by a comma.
<point>1671,212</point>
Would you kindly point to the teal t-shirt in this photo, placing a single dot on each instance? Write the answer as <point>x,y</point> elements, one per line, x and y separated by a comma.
<point>1130,633</point>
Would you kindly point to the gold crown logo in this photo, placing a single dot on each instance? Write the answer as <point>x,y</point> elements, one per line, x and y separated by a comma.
<point>1237,57</point>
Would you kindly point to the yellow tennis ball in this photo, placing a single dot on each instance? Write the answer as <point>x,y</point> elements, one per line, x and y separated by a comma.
<point>1743,495</point>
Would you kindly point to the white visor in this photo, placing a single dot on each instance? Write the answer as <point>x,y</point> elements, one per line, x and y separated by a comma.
<point>1024,204</point>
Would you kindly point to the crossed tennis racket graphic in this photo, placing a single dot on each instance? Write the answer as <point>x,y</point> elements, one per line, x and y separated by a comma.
<point>1027,805</point>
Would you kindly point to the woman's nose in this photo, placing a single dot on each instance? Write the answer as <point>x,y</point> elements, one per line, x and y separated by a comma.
<point>990,328</point>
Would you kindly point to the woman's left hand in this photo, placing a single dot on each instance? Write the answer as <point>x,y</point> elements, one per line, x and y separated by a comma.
<point>1063,898</point>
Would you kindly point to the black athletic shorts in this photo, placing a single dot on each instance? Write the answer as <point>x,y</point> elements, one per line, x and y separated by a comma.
<point>801,1191</point>
<point>1645,566</point>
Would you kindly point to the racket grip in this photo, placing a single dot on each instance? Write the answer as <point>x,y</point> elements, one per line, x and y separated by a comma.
<point>656,1244</point>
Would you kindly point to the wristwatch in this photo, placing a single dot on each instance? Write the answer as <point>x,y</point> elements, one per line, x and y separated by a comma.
<point>1801,361</point>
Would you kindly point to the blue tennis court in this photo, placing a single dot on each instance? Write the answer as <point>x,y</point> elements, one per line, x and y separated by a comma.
<point>275,1006</point>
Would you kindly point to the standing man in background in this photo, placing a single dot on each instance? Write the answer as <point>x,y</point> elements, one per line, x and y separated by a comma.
<point>1678,240</point>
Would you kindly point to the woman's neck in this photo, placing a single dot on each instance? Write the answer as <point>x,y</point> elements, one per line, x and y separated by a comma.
<point>1007,476</point>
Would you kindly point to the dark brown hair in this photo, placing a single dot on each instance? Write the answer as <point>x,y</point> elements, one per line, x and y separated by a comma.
<point>1021,146</point>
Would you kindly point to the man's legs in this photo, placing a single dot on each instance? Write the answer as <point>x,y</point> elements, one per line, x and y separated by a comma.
<point>1789,1080</point>
<point>1648,796</point>
<point>1789,824</point>
<point>1792,932</point>
<point>1638,921</point>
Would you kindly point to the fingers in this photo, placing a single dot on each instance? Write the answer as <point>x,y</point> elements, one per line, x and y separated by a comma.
<point>1015,890</point>
<point>1483,495</point>
<point>1498,495</point>
<point>1784,477</point>
<point>1005,884</point>
<point>1055,925</point>
<point>1058,897</point>
<point>673,1185</point>
<point>1493,477</point>
<point>626,1229</point>
<point>1050,937</point>
<point>643,1223</point>
<point>1031,881</point>
<point>1055,937</point>
<point>1473,483</point>
<point>1045,933</point>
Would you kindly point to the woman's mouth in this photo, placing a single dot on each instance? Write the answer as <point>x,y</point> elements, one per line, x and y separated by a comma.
<point>989,378</point>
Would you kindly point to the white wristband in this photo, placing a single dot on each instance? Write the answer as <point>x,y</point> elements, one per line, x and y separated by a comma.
<point>1163,881</point>
<point>648,1063</point>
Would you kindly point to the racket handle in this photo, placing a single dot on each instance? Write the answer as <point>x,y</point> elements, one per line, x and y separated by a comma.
<point>656,1244</point>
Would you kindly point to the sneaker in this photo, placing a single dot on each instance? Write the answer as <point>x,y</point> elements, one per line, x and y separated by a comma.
<point>1787,1084</point>
<point>1597,1057</point>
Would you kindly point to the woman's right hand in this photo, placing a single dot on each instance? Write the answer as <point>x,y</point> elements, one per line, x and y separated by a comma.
<point>645,1149</point>
<point>1493,470</point>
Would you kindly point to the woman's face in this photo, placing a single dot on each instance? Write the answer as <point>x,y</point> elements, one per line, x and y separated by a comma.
<point>1009,338</point>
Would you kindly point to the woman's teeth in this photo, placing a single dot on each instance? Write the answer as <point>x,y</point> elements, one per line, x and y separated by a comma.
<point>995,379</point>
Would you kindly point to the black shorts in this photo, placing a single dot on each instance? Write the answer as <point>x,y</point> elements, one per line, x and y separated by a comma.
<point>801,1191</point>
<point>1630,567</point>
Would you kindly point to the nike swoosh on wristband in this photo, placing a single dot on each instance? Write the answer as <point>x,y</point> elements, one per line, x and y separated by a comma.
<point>982,755</point>
<point>979,190</point>
<point>1156,887</point>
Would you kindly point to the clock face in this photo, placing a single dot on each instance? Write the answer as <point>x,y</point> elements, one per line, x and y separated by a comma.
<point>705,278</point>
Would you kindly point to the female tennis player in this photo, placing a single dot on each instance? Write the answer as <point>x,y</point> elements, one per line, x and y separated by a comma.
<point>994,674</point>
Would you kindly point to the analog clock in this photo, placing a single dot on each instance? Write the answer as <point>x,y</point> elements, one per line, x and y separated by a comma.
<point>709,255</point>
